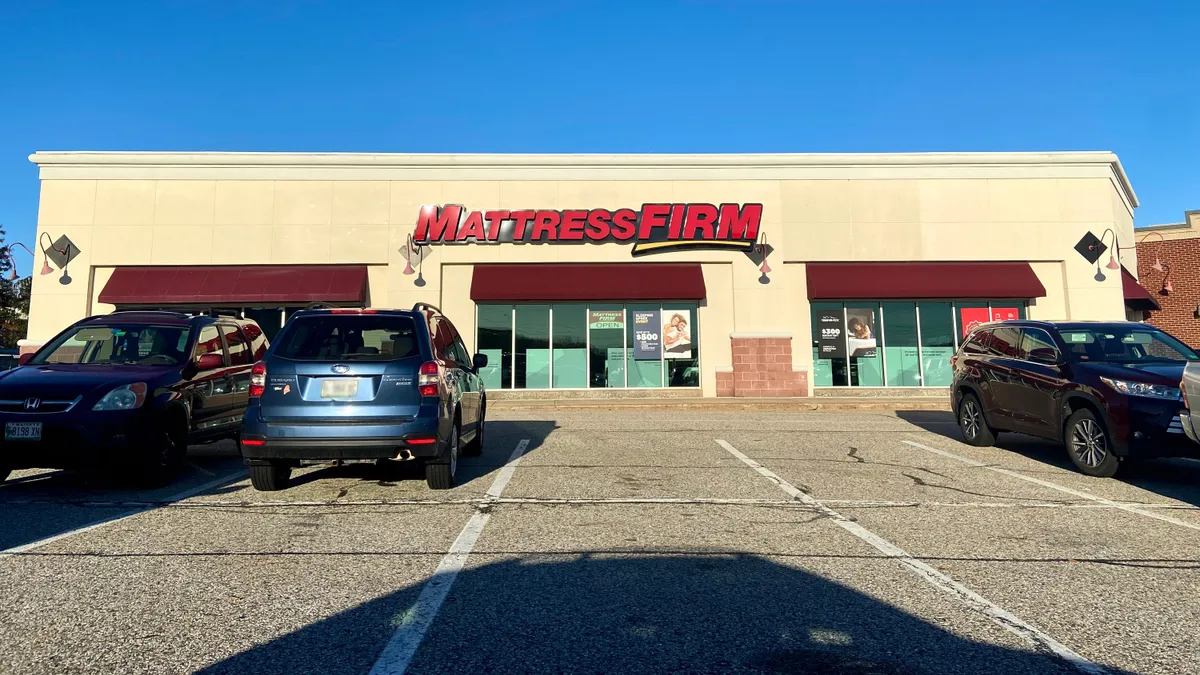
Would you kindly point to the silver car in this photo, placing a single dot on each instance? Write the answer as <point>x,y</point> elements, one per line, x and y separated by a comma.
<point>1190,388</point>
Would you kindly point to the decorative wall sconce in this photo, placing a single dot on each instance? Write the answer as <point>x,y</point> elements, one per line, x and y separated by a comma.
<point>758,256</point>
<point>61,252</point>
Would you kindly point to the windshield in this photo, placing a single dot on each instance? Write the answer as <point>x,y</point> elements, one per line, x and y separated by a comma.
<point>346,337</point>
<point>1125,345</point>
<point>118,344</point>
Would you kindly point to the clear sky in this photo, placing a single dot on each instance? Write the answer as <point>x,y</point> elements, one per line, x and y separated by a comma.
<point>645,76</point>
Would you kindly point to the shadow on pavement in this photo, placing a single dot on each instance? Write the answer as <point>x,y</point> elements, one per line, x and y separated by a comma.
<point>44,504</point>
<point>501,438</point>
<point>648,614</point>
<point>1171,478</point>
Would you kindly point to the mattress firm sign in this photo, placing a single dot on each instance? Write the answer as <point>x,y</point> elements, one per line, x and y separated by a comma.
<point>653,228</point>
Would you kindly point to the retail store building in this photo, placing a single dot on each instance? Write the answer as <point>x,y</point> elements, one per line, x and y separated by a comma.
<point>714,275</point>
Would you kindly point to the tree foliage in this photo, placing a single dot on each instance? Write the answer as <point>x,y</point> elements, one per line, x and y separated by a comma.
<point>14,299</point>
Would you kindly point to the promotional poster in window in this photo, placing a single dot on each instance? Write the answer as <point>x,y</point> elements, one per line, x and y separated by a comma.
<point>677,333</point>
<point>851,332</point>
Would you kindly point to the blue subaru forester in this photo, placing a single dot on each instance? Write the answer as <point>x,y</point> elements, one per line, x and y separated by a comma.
<point>364,385</point>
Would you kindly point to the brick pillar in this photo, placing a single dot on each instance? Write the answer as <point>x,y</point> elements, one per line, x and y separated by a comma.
<point>762,366</point>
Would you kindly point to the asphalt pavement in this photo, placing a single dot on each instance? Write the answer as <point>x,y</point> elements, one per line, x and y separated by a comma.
<point>619,541</point>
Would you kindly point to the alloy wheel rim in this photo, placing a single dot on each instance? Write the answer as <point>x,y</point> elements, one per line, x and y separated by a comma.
<point>971,421</point>
<point>1088,443</point>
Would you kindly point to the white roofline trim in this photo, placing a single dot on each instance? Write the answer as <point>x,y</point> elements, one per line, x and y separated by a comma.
<point>79,159</point>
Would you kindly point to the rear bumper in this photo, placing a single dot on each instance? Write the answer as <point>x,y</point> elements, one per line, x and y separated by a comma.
<point>1189,426</point>
<point>262,441</point>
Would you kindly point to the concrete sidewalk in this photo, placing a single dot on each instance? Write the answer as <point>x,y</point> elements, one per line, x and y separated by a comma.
<point>782,404</point>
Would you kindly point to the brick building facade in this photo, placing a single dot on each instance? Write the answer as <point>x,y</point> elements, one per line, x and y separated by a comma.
<point>1176,247</point>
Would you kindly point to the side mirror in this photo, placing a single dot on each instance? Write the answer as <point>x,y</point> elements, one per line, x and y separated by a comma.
<point>24,358</point>
<point>1045,356</point>
<point>209,361</point>
<point>480,361</point>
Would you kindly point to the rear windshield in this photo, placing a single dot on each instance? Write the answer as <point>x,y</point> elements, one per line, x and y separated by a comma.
<point>347,337</point>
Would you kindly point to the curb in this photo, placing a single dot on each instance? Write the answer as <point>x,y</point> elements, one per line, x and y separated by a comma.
<point>806,405</point>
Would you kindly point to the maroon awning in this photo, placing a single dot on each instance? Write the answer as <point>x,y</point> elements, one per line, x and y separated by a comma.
<point>922,280</point>
<point>1136,296</point>
<point>212,284</point>
<point>620,281</point>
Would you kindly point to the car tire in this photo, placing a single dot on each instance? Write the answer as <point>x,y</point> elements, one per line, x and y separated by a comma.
<point>475,447</point>
<point>440,476</point>
<point>162,458</point>
<point>1090,446</point>
<point>973,424</point>
<point>270,477</point>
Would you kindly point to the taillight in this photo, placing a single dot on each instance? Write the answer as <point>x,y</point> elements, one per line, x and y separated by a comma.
<point>429,379</point>
<point>353,311</point>
<point>258,379</point>
<point>954,360</point>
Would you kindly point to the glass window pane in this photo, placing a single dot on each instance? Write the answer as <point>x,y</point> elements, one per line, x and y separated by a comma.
<point>901,357</point>
<point>531,363</point>
<point>1007,310</point>
<point>827,372</point>
<point>606,362</point>
<point>645,368</point>
<point>494,339</point>
<point>570,346</point>
<point>681,343</point>
<point>1006,341</point>
<point>862,326</point>
<point>937,343</point>
<point>267,318</point>
<point>968,315</point>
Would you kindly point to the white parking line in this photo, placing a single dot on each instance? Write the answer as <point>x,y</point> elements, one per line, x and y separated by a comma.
<point>414,623</point>
<point>1055,486</point>
<point>191,492</point>
<point>939,580</point>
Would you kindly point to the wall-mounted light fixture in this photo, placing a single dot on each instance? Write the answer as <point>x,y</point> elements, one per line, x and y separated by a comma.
<point>1158,263</point>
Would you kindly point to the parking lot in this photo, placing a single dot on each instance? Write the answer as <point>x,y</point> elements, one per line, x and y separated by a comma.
<point>620,541</point>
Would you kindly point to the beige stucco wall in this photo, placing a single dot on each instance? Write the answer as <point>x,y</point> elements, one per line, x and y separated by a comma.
<point>139,209</point>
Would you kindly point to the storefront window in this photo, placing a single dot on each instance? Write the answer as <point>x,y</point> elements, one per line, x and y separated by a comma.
<point>681,344</point>
<point>937,342</point>
<point>531,362</point>
<point>569,340</point>
<point>606,332</point>
<point>829,344</point>
<point>495,340</point>
<point>895,343</point>
<point>862,343</point>
<point>585,345</point>
<point>901,357</point>
<point>645,359</point>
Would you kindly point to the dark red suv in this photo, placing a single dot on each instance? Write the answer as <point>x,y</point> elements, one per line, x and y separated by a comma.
<point>1108,391</point>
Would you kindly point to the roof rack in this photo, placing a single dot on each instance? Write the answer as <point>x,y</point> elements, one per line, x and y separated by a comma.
<point>425,305</point>
<point>147,311</point>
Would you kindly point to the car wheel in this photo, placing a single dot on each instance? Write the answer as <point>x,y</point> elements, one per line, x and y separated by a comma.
<point>475,447</point>
<point>441,476</point>
<point>161,458</point>
<point>1090,446</point>
<point>270,477</point>
<point>972,423</point>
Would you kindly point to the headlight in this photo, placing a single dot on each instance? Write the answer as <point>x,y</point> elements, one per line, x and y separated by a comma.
<point>125,397</point>
<point>1143,389</point>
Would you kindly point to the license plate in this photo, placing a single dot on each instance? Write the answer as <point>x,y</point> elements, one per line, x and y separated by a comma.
<point>339,388</point>
<point>23,431</point>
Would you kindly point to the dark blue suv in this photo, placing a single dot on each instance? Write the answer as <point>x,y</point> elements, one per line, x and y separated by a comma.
<point>352,385</point>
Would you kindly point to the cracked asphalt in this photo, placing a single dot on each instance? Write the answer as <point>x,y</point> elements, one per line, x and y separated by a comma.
<point>856,542</point>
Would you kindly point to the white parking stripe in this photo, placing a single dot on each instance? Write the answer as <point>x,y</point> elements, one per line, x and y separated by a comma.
<point>1137,510</point>
<point>414,623</point>
<point>191,492</point>
<point>939,580</point>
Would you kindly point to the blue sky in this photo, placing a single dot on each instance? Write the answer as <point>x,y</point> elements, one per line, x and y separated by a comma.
<point>561,76</point>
